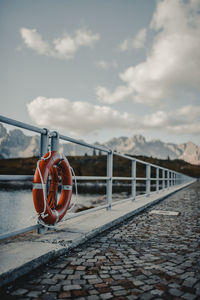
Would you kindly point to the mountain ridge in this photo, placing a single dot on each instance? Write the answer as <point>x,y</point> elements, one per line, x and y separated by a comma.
<point>138,145</point>
<point>16,144</point>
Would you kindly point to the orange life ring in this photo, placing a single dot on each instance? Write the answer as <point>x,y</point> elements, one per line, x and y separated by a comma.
<point>49,211</point>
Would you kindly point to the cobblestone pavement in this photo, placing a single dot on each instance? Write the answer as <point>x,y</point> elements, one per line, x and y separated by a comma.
<point>147,257</point>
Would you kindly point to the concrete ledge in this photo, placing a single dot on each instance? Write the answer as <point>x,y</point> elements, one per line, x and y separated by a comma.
<point>24,253</point>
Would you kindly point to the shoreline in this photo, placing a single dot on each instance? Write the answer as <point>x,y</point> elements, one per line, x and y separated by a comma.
<point>87,187</point>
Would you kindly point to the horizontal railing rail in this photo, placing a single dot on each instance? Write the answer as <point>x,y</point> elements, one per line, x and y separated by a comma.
<point>164,178</point>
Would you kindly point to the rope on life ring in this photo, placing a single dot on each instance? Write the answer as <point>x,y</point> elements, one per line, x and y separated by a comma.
<point>50,211</point>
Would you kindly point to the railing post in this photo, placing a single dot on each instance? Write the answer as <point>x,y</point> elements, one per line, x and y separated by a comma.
<point>163,179</point>
<point>178,181</point>
<point>157,180</point>
<point>167,179</point>
<point>181,179</point>
<point>109,180</point>
<point>133,183</point>
<point>44,142</point>
<point>55,141</point>
<point>148,182</point>
<point>55,147</point>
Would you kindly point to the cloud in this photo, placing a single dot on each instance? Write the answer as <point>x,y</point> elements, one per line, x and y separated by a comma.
<point>136,43</point>
<point>64,47</point>
<point>76,117</point>
<point>173,63</point>
<point>34,40</point>
<point>183,120</point>
<point>83,118</point>
<point>104,95</point>
<point>106,65</point>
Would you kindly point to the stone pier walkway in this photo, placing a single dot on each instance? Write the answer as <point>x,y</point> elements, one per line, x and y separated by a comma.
<point>150,256</point>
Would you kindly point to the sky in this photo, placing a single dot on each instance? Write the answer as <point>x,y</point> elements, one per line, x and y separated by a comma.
<point>98,69</point>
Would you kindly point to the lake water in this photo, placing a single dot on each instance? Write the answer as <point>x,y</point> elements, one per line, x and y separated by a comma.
<point>17,209</point>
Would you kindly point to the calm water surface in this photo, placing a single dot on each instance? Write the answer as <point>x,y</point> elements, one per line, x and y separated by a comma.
<point>17,209</point>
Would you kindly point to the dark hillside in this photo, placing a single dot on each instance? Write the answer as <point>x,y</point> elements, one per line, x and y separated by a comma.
<point>96,166</point>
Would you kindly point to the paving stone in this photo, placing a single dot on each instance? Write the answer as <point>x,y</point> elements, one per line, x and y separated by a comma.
<point>131,297</point>
<point>190,282</point>
<point>146,287</point>
<point>79,281</point>
<point>34,294</point>
<point>104,275</point>
<point>55,288</point>
<point>19,292</point>
<point>95,281</point>
<point>79,293</point>
<point>156,292</point>
<point>146,296</point>
<point>90,276</point>
<point>71,287</point>
<point>75,276</point>
<point>49,281</point>
<point>93,297</point>
<point>93,292</point>
<point>175,292</point>
<point>64,295</point>
<point>117,288</point>
<point>67,271</point>
<point>187,274</point>
<point>120,293</point>
<point>150,281</point>
<point>188,296</point>
<point>59,276</point>
<point>81,268</point>
<point>174,285</point>
<point>106,296</point>
<point>137,282</point>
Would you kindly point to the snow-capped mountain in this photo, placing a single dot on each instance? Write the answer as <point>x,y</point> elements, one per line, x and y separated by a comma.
<point>137,145</point>
<point>16,144</point>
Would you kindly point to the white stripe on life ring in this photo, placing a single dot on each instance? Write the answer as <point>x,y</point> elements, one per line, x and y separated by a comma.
<point>67,187</point>
<point>39,186</point>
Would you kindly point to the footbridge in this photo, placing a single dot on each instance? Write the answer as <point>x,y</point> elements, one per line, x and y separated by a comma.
<point>29,247</point>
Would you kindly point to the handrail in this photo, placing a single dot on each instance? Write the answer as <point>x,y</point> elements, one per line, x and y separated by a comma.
<point>22,125</point>
<point>168,178</point>
<point>72,140</point>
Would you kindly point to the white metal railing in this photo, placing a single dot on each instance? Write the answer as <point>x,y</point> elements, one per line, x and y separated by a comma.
<point>167,179</point>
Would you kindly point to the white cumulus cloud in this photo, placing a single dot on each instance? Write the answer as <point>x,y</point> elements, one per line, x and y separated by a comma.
<point>136,43</point>
<point>63,47</point>
<point>84,118</point>
<point>183,120</point>
<point>173,64</point>
<point>34,40</point>
<point>104,95</point>
<point>76,117</point>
